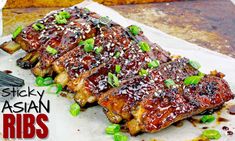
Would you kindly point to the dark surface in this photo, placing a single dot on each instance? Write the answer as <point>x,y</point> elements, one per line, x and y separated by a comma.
<point>208,23</point>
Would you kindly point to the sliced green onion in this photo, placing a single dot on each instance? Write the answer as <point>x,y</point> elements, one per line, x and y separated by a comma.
<point>89,45</point>
<point>153,64</point>
<point>44,81</point>
<point>135,30</point>
<point>81,43</point>
<point>113,80</point>
<point>48,81</point>
<point>207,118</point>
<point>104,20</point>
<point>120,137</point>
<point>195,64</point>
<point>201,74</point>
<point>211,134</point>
<point>192,80</point>
<point>65,14</point>
<point>98,50</point>
<point>38,26</point>
<point>90,41</point>
<point>74,109</point>
<point>117,68</point>
<point>169,83</point>
<point>117,54</point>
<point>113,128</point>
<point>51,50</point>
<point>17,32</point>
<point>60,19</point>
<point>59,88</point>
<point>143,72</point>
<point>144,46</point>
<point>39,81</point>
<point>54,89</point>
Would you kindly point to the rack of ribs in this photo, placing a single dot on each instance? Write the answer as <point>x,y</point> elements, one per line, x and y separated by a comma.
<point>31,40</point>
<point>63,42</point>
<point>62,37</point>
<point>133,79</point>
<point>68,39</point>
<point>171,105</point>
<point>132,91</point>
<point>77,63</point>
<point>147,104</point>
<point>89,87</point>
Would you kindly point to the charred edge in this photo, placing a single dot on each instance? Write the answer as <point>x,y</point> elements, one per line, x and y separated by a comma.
<point>10,47</point>
<point>211,111</point>
<point>28,61</point>
<point>88,105</point>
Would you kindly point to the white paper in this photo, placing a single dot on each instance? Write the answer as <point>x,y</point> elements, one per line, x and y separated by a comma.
<point>233,1</point>
<point>92,122</point>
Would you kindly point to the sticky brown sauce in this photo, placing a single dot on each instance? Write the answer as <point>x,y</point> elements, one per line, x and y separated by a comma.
<point>217,110</point>
<point>63,94</point>
<point>221,119</point>
<point>194,121</point>
<point>230,133</point>
<point>124,129</point>
<point>205,127</point>
<point>178,123</point>
<point>225,128</point>
<point>7,71</point>
<point>231,110</point>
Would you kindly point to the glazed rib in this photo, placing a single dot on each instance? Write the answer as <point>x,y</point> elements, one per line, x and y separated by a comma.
<point>154,106</point>
<point>31,40</point>
<point>171,105</point>
<point>65,41</point>
<point>134,90</point>
<point>35,42</point>
<point>77,63</point>
<point>132,61</point>
<point>75,31</point>
<point>144,103</point>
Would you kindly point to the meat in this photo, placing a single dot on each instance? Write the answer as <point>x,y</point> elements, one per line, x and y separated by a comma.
<point>78,63</point>
<point>155,106</point>
<point>134,80</point>
<point>31,40</point>
<point>159,111</point>
<point>74,32</point>
<point>63,42</point>
<point>36,41</point>
<point>131,62</point>
<point>119,102</point>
